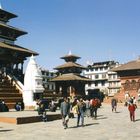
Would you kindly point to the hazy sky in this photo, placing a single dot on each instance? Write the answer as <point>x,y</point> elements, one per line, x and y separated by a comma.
<point>95,30</point>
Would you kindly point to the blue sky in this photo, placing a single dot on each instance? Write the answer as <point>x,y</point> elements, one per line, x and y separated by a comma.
<point>95,30</point>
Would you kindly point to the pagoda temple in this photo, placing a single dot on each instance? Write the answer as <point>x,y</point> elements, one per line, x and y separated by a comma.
<point>69,81</point>
<point>130,78</point>
<point>12,58</point>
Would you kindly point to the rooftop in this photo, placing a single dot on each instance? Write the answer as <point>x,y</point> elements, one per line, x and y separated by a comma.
<point>132,65</point>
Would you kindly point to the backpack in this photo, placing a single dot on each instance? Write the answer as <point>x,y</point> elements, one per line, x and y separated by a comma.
<point>94,103</point>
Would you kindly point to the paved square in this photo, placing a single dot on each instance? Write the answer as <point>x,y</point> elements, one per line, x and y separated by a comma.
<point>108,126</point>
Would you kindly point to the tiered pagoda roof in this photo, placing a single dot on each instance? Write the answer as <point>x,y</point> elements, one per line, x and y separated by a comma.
<point>70,57</point>
<point>70,77</point>
<point>17,48</point>
<point>5,16</point>
<point>70,71</point>
<point>9,34</point>
<point>69,65</point>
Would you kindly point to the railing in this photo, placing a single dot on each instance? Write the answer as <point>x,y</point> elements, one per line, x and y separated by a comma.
<point>16,83</point>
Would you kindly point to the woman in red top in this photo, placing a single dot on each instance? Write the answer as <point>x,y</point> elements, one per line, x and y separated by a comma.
<point>132,109</point>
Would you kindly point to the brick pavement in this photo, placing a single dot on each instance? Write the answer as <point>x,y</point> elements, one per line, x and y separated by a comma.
<point>108,126</point>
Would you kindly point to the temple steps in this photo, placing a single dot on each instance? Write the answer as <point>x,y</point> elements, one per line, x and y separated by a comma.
<point>11,105</point>
<point>11,99</point>
<point>6,86</point>
<point>8,90</point>
<point>9,94</point>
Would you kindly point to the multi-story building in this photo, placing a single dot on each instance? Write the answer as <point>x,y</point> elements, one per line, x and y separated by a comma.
<point>47,84</point>
<point>114,83</point>
<point>130,79</point>
<point>102,78</point>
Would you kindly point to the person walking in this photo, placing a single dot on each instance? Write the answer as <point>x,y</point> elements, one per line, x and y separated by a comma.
<point>114,104</point>
<point>132,108</point>
<point>87,107</point>
<point>94,105</point>
<point>127,97</point>
<point>65,111</point>
<point>81,107</point>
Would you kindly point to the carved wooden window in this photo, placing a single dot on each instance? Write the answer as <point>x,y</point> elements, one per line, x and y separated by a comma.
<point>127,85</point>
<point>133,84</point>
<point>138,84</point>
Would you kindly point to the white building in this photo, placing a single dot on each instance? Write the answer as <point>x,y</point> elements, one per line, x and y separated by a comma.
<point>101,77</point>
<point>47,75</point>
<point>114,83</point>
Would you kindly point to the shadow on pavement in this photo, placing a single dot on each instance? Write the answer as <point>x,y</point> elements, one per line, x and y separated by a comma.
<point>6,130</point>
<point>91,124</point>
<point>118,112</point>
<point>137,120</point>
<point>101,118</point>
<point>100,115</point>
<point>83,126</point>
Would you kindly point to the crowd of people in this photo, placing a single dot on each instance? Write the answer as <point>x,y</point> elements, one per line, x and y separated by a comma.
<point>79,108</point>
<point>19,106</point>
<point>76,107</point>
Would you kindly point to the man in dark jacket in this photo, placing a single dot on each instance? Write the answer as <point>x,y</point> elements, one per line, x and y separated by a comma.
<point>114,104</point>
<point>65,111</point>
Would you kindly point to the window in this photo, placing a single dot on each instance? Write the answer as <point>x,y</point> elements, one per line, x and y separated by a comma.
<point>105,68</point>
<point>103,75</point>
<point>133,84</point>
<point>96,69</point>
<point>47,73</point>
<point>109,76</point>
<point>114,76</point>
<point>89,85</point>
<point>96,76</point>
<point>89,76</point>
<point>43,72</point>
<point>127,85</point>
<point>103,83</point>
<point>101,69</point>
<point>96,84</point>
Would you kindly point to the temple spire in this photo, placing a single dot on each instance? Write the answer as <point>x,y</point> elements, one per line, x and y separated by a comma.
<point>0,6</point>
<point>69,52</point>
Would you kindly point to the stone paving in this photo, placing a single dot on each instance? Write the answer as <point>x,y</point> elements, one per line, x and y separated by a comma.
<point>108,126</point>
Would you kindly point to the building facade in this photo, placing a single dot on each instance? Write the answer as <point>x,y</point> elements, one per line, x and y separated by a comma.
<point>47,76</point>
<point>114,83</point>
<point>102,77</point>
<point>130,78</point>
